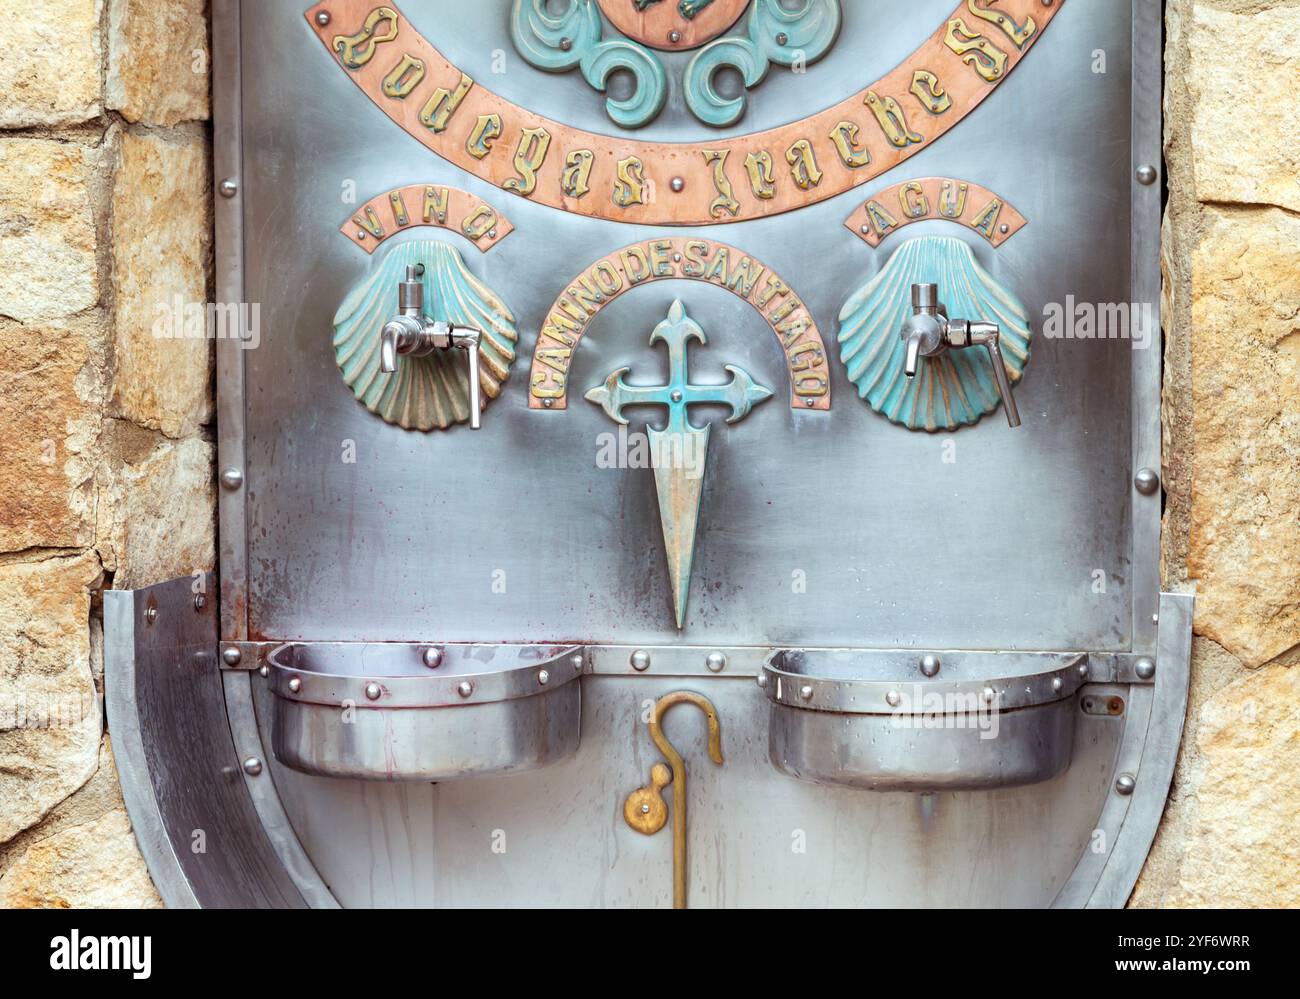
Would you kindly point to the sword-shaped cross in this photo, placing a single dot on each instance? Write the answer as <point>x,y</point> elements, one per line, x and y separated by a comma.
<point>679,480</point>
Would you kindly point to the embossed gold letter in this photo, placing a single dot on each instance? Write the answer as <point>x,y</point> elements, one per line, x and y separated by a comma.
<point>356,50</point>
<point>577,173</point>
<point>912,197</point>
<point>436,114</point>
<point>486,130</point>
<point>399,208</point>
<point>975,50</point>
<point>1019,35</point>
<point>987,218</point>
<point>534,143</point>
<point>480,223</point>
<point>928,90</point>
<point>952,199</point>
<point>725,202</point>
<point>803,165</point>
<point>889,113</point>
<point>759,166</point>
<point>630,186</point>
<point>435,205</point>
<point>845,137</point>
<point>404,78</point>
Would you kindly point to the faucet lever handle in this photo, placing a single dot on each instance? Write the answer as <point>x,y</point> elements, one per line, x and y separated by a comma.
<point>475,390</point>
<point>989,336</point>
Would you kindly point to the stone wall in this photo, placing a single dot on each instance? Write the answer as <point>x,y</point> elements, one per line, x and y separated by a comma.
<point>106,443</point>
<point>1231,835</point>
<point>106,436</point>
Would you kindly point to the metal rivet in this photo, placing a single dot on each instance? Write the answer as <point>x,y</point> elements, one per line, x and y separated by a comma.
<point>200,601</point>
<point>762,679</point>
<point>295,684</point>
<point>323,18</point>
<point>231,655</point>
<point>782,39</point>
<point>228,188</point>
<point>1145,668</point>
<point>543,677</point>
<point>465,689</point>
<point>232,478</point>
<point>1147,482</point>
<point>566,44</point>
<point>645,809</point>
<point>252,766</point>
<point>1126,784</point>
<point>433,658</point>
<point>640,660</point>
<point>548,403</point>
<point>576,661</point>
<point>151,615</point>
<point>810,402</point>
<point>678,184</point>
<point>373,691</point>
<point>806,692</point>
<point>264,671</point>
<point>716,662</point>
<point>930,665</point>
<point>361,235</point>
<point>1083,670</point>
<point>990,694</point>
<point>674,36</point>
<point>893,699</point>
<point>1147,175</point>
<point>1057,683</point>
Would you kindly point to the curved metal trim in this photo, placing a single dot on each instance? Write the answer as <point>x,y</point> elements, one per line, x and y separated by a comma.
<point>1149,752</point>
<point>128,752</point>
<point>266,798</point>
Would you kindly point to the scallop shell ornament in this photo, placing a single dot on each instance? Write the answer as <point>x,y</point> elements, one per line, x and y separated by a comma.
<point>955,389</point>
<point>425,393</point>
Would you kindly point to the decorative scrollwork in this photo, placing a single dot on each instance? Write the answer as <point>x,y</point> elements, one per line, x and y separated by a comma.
<point>774,35</point>
<point>558,43</point>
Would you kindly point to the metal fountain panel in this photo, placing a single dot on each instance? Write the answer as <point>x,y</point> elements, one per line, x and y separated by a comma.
<point>620,450</point>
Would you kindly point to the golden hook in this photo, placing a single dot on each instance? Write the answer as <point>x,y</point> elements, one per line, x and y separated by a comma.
<point>645,810</point>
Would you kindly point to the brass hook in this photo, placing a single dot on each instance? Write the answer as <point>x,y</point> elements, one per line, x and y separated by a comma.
<point>645,810</point>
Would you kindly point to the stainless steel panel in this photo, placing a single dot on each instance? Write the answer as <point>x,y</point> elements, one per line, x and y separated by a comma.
<point>863,508</point>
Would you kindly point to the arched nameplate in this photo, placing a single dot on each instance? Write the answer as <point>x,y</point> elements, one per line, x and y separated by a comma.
<point>417,205</point>
<point>937,199</point>
<point>693,260</point>
<point>701,183</point>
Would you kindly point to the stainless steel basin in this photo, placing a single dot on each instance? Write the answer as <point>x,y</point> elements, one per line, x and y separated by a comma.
<point>382,712</point>
<point>878,722</point>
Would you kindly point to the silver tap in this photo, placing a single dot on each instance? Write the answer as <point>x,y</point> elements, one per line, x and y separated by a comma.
<point>413,334</point>
<point>928,332</point>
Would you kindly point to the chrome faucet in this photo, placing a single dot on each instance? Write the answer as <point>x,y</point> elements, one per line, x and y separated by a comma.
<point>413,334</point>
<point>928,332</point>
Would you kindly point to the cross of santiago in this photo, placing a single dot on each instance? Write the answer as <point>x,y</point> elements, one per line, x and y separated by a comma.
<point>742,393</point>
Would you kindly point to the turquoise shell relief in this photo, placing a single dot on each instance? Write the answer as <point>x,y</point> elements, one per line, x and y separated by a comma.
<point>955,389</point>
<point>425,393</point>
